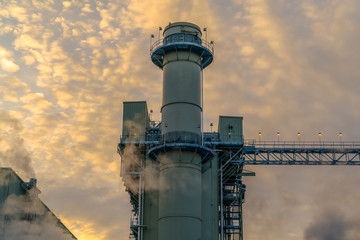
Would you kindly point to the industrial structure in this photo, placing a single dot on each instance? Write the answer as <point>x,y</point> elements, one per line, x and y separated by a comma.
<point>185,183</point>
<point>23,214</point>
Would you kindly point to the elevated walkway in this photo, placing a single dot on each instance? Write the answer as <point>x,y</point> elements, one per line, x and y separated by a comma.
<point>234,153</point>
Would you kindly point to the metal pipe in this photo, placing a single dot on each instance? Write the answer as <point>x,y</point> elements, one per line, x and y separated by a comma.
<point>139,210</point>
<point>142,207</point>
<point>202,106</point>
<point>221,203</point>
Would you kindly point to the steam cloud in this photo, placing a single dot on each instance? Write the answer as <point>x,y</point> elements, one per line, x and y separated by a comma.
<point>333,225</point>
<point>12,150</point>
<point>20,222</point>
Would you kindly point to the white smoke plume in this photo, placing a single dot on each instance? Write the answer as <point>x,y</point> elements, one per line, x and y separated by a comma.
<point>131,166</point>
<point>26,218</point>
<point>333,225</point>
<point>12,150</point>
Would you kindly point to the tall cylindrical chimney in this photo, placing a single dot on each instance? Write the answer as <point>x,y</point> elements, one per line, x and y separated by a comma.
<point>182,55</point>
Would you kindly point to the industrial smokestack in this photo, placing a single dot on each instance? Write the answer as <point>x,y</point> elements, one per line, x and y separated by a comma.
<point>182,55</point>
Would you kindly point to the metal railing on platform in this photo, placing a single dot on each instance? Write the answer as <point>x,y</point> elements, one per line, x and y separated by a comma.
<point>214,138</point>
<point>303,144</point>
<point>176,38</point>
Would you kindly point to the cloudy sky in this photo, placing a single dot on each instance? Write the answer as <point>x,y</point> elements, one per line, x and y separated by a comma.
<point>286,66</point>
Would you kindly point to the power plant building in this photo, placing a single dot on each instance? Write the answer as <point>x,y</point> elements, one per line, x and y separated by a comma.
<point>184,183</point>
<point>170,168</point>
<point>23,215</point>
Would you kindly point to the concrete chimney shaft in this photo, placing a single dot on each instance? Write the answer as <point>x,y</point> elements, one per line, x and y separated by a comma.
<point>181,108</point>
<point>182,55</point>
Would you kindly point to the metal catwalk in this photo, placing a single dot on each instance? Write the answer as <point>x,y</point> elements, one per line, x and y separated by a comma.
<point>233,157</point>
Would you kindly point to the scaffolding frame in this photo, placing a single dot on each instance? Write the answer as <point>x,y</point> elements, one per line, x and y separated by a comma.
<point>233,156</point>
<point>232,192</point>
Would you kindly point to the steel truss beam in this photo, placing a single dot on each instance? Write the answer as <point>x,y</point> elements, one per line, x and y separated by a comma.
<point>234,158</point>
<point>299,156</point>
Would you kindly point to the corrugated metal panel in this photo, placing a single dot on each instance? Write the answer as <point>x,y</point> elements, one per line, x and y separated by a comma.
<point>135,121</point>
<point>231,129</point>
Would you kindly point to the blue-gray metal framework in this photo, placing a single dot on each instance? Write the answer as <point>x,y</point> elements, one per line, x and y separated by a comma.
<point>182,42</point>
<point>232,152</point>
<point>301,153</point>
<point>233,157</point>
